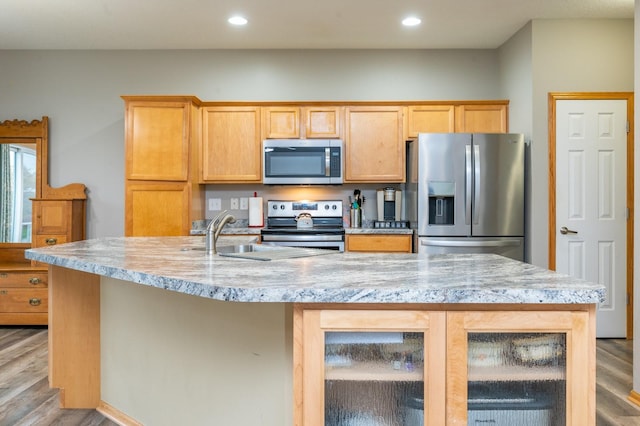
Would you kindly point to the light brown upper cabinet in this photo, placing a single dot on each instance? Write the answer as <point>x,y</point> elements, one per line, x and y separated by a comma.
<point>485,118</point>
<point>162,136</point>
<point>430,119</point>
<point>323,122</point>
<point>310,122</point>
<point>374,144</point>
<point>281,122</point>
<point>158,135</point>
<point>231,145</point>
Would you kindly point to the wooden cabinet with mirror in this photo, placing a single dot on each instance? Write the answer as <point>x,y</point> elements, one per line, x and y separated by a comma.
<point>24,191</point>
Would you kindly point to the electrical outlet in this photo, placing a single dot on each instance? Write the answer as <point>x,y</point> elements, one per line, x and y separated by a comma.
<point>244,203</point>
<point>234,204</point>
<point>215,204</point>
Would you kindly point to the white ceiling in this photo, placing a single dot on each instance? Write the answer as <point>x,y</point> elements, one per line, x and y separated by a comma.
<point>284,24</point>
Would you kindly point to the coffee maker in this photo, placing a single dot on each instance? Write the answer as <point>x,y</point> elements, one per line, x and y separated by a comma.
<point>389,204</point>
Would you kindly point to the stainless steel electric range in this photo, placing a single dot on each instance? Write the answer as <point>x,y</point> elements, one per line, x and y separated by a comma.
<point>316,224</point>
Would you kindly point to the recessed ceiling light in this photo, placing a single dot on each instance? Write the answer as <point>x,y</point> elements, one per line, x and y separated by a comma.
<point>237,20</point>
<point>411,21</point>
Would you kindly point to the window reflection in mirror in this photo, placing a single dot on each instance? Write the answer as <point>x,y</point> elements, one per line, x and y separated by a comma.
<point>18,186</point>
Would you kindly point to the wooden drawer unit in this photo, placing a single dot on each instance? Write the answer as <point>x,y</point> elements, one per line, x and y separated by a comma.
<point>35,279</point>
<point>24,296</point>
<point>23,300</point>
<point>379,243</point>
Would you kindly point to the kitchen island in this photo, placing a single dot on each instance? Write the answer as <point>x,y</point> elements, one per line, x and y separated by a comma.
<point>142,328</point>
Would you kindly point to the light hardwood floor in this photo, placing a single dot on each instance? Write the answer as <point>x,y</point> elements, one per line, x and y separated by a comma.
<point>25,397</point>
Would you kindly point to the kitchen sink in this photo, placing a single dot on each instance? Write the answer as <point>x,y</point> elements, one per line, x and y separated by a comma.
<point>247,248</point>
<point>268,252</point>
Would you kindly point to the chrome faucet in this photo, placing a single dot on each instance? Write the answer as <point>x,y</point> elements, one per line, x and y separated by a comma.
<point>214,229</point>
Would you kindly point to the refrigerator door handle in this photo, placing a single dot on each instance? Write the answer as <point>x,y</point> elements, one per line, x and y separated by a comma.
<point>471,243</point>
<point>468,188</point>
<point>476,184</point>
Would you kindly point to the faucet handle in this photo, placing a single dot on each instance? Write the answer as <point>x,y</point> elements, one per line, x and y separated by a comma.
<point>216,219</point>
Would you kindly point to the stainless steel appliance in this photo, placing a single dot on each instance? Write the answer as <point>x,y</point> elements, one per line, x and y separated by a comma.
<point>302,161</point>
<point>304,224</point>
<point>389,204</point>
<point>465,193</point>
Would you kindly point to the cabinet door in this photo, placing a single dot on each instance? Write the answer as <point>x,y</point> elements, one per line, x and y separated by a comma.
<point>157,209</point>
<point>281,122</point>
<point>540,366</point>
<point>157,140</point>
<point>368,367</point>
<point>380,243</point>
<point>51,217</point>
<point>430,119</point>
<point>231,144</point>
<point>481,119</point>
<point>323,122</point>
<point>375,149</point>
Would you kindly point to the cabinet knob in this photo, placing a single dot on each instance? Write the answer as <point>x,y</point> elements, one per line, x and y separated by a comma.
<point>34,301</point>
<point>51,241</point>
<point>4,275</point>
<point>34,280</point>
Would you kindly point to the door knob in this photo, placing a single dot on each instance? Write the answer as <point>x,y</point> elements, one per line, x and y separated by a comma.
<point>564,231</point>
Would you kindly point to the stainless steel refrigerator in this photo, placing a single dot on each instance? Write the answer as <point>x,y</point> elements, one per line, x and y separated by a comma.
<point>465,193</point>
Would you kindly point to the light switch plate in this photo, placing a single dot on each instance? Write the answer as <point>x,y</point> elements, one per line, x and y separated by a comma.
<point>234,204</point>
<point>215,204</point>
<point>244,203</point>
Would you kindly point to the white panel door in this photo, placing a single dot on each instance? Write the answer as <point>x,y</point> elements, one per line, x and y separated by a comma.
<point>591,214</point>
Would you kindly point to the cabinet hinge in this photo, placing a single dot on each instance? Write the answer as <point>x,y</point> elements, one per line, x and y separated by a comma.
<point>628,126</point>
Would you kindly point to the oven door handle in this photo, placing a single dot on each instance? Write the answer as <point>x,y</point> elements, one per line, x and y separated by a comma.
<point>271,237</point>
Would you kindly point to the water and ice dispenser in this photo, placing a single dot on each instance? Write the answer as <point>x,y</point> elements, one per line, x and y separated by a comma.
<point>441,203</point>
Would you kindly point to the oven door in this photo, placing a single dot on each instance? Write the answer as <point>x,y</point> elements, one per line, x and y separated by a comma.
<point>330,242</point>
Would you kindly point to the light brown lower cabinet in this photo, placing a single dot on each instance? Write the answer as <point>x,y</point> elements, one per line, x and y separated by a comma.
<point>444,365</point>
<point>379,243</point>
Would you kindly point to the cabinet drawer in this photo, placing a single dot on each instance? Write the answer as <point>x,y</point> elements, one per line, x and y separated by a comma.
<point>23,279</point>
<point>49,240</point>
<point>24,300</point>
<point>379,243</point>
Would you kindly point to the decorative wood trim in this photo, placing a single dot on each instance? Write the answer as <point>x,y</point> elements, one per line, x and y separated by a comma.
<point>450,307</point>
<point>116,415</point>
<point>553,97</point>
<point>634,397</point>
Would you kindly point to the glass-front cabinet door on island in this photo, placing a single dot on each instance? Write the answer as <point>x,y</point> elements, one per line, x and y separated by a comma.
<point>366,368</point>
<point>518,368</point>
<point>376,367</point>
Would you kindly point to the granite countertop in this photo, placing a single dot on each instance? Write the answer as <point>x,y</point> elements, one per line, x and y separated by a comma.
<point>175,264</point>
<point>379,231</point>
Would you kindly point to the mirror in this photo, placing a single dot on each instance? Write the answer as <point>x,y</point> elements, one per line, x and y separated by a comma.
<point>17,188</point>
<point>23,151</point>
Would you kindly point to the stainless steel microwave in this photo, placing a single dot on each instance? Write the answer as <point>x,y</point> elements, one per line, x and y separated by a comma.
<point>302,161</point>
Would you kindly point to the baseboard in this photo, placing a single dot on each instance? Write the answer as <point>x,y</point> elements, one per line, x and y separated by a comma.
<point>634,397</point>
<point>116,415</point>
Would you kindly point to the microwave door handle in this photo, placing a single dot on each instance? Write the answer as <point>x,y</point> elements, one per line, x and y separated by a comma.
<point>327,162</point>
<point>468,188</point>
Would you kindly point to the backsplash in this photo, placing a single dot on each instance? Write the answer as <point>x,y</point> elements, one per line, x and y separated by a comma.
<point>225,193</point>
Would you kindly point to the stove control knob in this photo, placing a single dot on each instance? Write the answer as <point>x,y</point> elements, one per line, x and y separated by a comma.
<point>334,207</point>
<point>281,206</point>
<point>275,207</point>
<point>326,206</point>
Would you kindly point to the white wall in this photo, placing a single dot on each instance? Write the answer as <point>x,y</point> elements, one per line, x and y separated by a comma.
<point>516,85</point>
<point>570,56</point>
<point>80,92</point>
